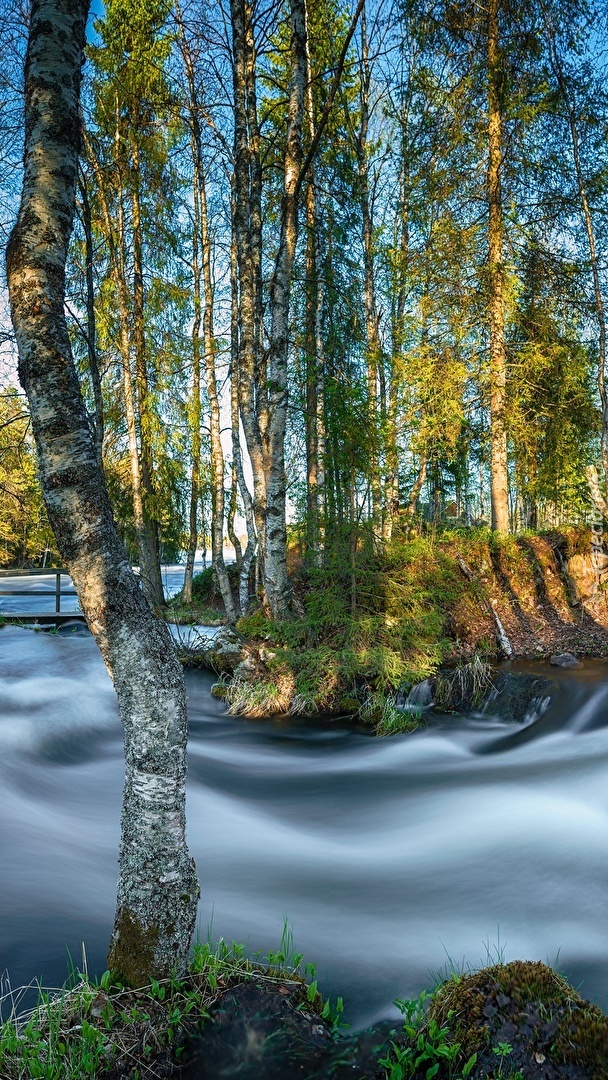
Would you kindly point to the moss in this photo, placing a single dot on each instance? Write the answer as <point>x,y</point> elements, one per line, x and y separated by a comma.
<point>219,690</point>
<point>132,950</point>
<point>582,1039</point>
<point>530,1006</point>
<point>255,626</point>
<point>348,705</point>
<point>527,980</point>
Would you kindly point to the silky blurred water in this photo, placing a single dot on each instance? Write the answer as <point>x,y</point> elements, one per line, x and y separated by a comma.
<point>391,859</point>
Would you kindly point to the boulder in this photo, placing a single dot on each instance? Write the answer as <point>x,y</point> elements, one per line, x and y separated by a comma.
<point>516,695</point>
<point>523,1019</point>
<point>247,669</point>
<point>565,660</point>
<point>258,1031</point>
<point>261,1030</point>
<point>224,652</point>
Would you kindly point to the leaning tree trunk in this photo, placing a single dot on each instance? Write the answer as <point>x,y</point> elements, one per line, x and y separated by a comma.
<point>157,888</point>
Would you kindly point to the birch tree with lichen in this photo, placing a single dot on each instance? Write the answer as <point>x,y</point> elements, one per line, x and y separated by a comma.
<point>157,886</point>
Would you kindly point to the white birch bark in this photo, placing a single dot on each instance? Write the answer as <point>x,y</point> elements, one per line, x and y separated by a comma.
<point>277,582</point>
<point>157,887</point>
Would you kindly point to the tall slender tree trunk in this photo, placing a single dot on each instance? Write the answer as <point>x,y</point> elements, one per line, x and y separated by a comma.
<point>372,336</point>
<point>93,358</point>
<point>496,281</point>
<point>157,888</point>
<point>315,375</point>
<point>247,225</point>
<point>277,581</point>
<point>600,310</point>
<point>248,554</point>
<point>150,571</point>
<point>195,415</point>
<point>263,373</point>
<point>217,454</point>
<point>203,241</point>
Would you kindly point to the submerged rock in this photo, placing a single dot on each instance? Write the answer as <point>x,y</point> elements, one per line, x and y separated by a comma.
<point>517,695</point>
<point>258,1033</point>
<point>224,652</point>
<point>565,660</point>
<point>477,687</point>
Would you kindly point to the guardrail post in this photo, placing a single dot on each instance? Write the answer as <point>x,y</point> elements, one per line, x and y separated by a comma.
<point>58,591</point>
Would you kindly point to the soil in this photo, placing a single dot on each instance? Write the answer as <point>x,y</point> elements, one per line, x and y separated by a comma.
<point>546,591</point>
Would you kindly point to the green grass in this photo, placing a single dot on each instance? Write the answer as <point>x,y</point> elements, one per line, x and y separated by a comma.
<point>91,1026</point>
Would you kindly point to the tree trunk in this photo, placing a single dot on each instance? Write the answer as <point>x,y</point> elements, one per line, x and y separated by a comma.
<point>590,230</point>
<point>93,359</point>
<point>150,572</point>
<point>237,457</point>
<point>498,352</point>
<point>278,586</point>
<point>157,888</point>
<point>315,373</point>
<point>247,226</point>
<point>203,242</point>
<point>372,336</point>
<point>195,416</point>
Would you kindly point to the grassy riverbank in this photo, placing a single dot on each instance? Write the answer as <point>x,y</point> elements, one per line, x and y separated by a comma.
<point>499,1023</point>
<point>373,624</point>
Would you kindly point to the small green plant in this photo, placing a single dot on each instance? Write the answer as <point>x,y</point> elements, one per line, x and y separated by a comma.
<point>426,1048</point>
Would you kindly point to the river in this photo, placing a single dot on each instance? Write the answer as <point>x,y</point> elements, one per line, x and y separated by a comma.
<point>391,859</point>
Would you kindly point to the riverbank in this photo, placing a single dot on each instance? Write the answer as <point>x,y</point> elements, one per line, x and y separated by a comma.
<point>267,1021</point>
<point>370,629</point>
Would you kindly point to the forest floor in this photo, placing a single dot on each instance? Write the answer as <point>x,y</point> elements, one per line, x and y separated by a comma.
<point>544,588</point>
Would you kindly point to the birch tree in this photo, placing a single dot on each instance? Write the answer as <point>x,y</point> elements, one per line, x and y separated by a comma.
<point>157,887</point>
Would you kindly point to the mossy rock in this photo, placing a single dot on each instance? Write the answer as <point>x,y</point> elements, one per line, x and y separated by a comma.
<point>348,706</point>
<point>219,690</point>
<point>552,1031</point>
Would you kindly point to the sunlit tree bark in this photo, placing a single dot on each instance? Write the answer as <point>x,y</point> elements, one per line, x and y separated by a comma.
<point>590,229</point>
<point>496,281</point>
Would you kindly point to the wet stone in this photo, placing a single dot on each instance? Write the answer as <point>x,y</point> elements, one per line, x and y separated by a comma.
<point>259,1031</point>
<point>565,660</point>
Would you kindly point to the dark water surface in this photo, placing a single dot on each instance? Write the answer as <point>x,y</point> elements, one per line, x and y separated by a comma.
<point>386,856</point>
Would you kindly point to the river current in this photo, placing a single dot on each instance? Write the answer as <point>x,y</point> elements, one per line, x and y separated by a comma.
<point>392,860</point>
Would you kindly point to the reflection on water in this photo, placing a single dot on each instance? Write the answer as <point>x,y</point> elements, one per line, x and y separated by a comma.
<point>386,856</point>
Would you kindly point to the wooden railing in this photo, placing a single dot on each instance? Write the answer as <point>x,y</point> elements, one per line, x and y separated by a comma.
<point>57,592</point>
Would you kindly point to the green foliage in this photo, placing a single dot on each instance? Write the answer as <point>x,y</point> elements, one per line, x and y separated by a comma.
<point>89,1028</point>
<point>25,533</point>
<point>426,1048</point>
<point>367,629</point>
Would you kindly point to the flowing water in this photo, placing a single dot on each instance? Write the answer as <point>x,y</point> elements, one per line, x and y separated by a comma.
<point>391,859</point>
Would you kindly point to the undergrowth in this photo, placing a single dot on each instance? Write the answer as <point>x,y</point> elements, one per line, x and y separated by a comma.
<point>91,1027</point>
<point>366,630</point>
